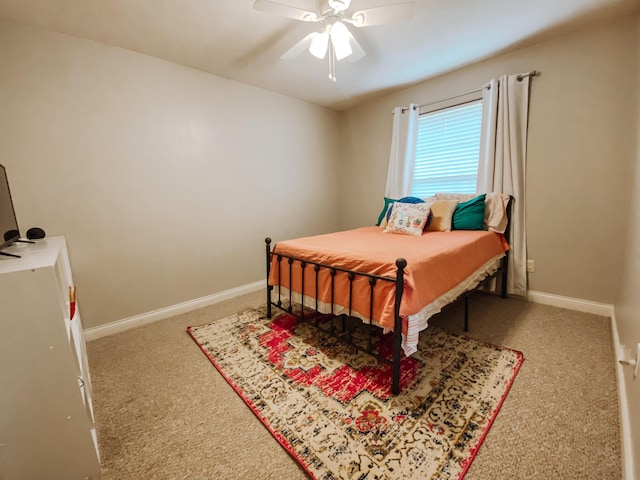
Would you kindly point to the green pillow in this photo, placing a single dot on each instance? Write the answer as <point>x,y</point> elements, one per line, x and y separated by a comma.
<point>469,215</point>
<point>387,202</point>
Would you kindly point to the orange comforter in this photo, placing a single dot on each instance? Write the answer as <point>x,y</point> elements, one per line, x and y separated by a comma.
<point>436,263</point>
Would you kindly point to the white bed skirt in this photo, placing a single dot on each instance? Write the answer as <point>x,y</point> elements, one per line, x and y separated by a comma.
<point>416,323</point>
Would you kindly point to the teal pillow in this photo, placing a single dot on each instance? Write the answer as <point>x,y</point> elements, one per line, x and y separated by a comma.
<point>387,202</point>
<point>469,215</point>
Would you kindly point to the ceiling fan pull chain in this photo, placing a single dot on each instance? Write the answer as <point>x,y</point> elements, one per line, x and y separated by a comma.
<point>332,61</point>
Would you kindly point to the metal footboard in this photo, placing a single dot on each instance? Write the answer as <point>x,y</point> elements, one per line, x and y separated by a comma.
<point>285,265</point>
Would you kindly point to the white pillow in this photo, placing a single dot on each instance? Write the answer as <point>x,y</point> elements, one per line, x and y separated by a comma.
<point>495,211</point>
<point>408,218</point>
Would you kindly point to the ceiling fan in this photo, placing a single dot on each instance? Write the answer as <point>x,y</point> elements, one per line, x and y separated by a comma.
<point>334,16</point>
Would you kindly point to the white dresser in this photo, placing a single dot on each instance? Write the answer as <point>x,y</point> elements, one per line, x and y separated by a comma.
<point>46,417</point>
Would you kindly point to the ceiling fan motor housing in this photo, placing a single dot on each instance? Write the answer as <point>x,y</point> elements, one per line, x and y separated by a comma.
<point>335,5</point>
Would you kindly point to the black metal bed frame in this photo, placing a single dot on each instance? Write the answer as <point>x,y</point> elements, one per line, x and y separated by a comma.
<point>345,332</point>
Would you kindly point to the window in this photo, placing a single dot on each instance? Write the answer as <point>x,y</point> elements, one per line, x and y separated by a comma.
<point>447,150</point>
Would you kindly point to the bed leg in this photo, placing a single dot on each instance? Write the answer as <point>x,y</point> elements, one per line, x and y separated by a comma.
<point>395,381</point>
<point>505,268</point>
<point>267,242</point>
<point>401,263</point>
<point>466,313</point>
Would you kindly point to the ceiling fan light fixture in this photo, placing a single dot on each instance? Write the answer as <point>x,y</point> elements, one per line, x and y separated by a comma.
<point>342,50</point>
<point>340,40</point>
<point>339,5</point>
<point>335,40</point>
<point>319,45</point>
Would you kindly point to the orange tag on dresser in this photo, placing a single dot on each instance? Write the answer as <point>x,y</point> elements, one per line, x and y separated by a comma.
<point>72,302</point>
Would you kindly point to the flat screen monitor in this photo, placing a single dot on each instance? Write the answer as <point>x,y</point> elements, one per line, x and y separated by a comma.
<point>8,223</point>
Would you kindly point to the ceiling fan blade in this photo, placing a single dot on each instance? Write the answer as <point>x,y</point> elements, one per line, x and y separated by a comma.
<point>398,12</point>
<point>298,48</point>
<point>284,10</point>
<point>358,51</point>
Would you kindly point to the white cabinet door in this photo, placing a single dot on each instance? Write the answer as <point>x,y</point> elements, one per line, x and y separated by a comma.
<point>46,424</point>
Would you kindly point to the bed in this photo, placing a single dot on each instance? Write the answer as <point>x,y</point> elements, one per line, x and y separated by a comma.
<point>392,281</point>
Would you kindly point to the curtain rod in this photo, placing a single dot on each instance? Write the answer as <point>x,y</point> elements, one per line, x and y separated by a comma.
<point>533,73</point>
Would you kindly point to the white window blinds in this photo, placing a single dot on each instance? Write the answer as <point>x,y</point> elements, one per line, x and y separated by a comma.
<point>447,150</point>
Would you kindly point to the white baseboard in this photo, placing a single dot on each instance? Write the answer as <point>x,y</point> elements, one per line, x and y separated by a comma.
<point>625,421</point>
<point>162,313</point>
<point>577,304</point>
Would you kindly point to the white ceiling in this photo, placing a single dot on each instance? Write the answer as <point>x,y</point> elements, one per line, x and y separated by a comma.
<point>230,39</point>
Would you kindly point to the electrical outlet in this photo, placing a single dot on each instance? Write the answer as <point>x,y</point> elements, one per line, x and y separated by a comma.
<point>628,359</point>
<point>531,266</point>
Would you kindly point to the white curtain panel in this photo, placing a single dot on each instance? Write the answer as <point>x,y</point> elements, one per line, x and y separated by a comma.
<point>486,165</point>
<point>503,158</point>
<point>403,151</point>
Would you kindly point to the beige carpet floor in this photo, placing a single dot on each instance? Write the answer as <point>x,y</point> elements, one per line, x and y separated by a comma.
<point>164,412</point>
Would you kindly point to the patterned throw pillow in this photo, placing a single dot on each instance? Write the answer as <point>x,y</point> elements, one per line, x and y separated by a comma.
<point>408,218</point>
<point>385,220</point>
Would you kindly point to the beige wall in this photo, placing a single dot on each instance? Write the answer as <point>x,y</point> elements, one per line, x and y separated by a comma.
<point>579,156</point>
<point>164,180</point>
<point>627,305</point>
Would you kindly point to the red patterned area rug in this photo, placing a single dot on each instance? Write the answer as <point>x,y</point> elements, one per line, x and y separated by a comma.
<point>332,409</point>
